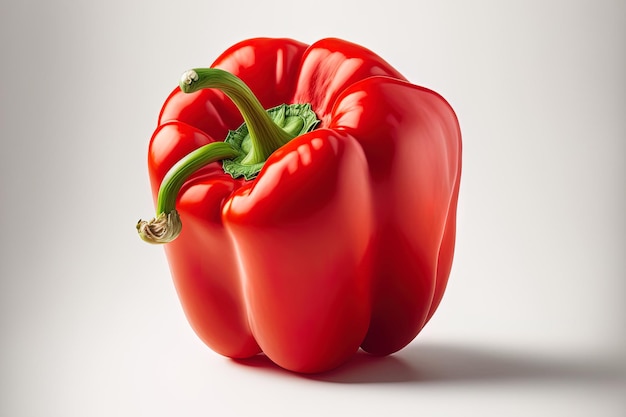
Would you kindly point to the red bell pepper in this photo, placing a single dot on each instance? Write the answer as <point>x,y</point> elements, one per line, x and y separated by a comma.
<point>329,226</point>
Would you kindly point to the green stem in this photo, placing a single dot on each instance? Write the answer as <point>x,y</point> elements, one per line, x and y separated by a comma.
<point>166,226</point>
<point>265,135</point>
<point>243,152</point>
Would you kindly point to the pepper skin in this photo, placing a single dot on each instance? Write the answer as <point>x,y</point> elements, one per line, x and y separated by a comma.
<point>344,239</point>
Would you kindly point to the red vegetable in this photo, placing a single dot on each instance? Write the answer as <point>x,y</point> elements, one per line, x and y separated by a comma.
<point>340,233</point>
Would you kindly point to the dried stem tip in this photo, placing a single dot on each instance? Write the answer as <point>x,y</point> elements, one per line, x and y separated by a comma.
<point>162,229</point>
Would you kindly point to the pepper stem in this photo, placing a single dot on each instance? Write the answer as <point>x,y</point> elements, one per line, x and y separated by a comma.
<point>265,135</point>
<point>243,152</point>
<point>166,226</point>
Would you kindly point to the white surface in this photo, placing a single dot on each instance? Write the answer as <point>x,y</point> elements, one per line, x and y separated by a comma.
<point>534,320</point>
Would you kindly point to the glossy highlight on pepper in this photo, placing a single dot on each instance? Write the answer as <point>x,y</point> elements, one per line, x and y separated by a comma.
<point>307,197</point>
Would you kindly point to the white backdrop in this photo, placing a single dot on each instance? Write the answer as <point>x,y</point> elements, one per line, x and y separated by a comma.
<point>533,322</point>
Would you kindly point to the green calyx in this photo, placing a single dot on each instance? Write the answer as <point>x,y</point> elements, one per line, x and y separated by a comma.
<point>294,119</point>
